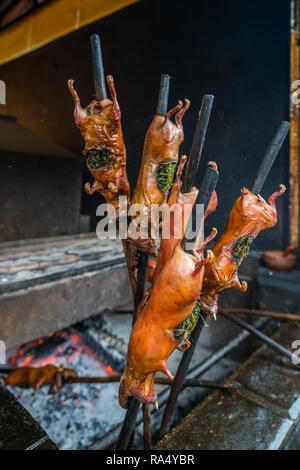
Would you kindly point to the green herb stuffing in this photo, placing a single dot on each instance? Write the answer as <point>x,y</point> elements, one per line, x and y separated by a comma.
<point>185,329</point>
<point>241,248</point>
<point>97,158</point>
<point>165,176</point>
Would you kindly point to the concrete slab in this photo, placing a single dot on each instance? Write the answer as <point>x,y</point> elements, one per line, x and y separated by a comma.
<point>18,429</point>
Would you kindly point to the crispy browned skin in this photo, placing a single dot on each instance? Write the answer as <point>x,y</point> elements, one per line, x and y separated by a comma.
<point>249,216</point>
<point>161,147</point>
<point>170,301</point>
<point>36,377</point>
<point>176,197</point>
<point>100,126</point>
<point>151,265</point>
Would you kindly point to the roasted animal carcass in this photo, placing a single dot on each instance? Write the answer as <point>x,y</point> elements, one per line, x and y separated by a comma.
<point>249,216</point>
<point>104,151</point>
<point>177,285</point>
<point>159,160</point>
<point>36,377</point>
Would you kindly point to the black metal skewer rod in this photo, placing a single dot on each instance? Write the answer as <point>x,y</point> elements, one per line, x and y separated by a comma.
<point>178,382</point>
<point>206,190</point>
<point>163,97</point>
<point>265,339</point>
<point>147,427</point>
<point>159,380</point>
<point>98,69</point>
<point>201,383</point>
<point>128,425</point>
<point>208,186</point>
<point>263,313</point>
<point>269,157</point>
<point>140,282</point>
<point>192,165</point>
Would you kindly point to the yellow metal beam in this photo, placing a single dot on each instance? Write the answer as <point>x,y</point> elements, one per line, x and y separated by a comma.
<point>295,124</point>
<point>52,21</point>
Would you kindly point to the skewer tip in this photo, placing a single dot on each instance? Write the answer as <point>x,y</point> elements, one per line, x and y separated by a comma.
<point>156,404</point>
<point>206,105</point>
<point>98,69</point>
<point>95,38</point>
<point>163,96</point>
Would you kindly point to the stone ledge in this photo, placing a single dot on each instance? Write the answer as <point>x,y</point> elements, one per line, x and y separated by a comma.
<point>20,431</point>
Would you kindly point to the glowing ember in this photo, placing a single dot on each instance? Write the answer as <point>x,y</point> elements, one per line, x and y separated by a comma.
<point>110,370</point>
<point>62,347</point>
<point>27,361</point>
<point>71,418</point>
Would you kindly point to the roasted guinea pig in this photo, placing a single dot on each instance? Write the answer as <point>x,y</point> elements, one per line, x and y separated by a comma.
<point>159,160</point>
<point>104,151</point>
<point>249,216</point>
<point>36,377</point>
<point>169,301</point>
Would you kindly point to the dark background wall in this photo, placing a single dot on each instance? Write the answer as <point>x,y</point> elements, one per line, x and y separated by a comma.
<point>39,196</point>
<point>239,51</point>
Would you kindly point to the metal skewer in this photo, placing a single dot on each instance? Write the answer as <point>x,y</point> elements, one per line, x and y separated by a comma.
<point>256,186</point>
<point>206,190</point>
<point>128,427</point>
<point>147,427</point>
<point>138,288</point>
<point>265,339</point>
<point>208,186</point>
<point>263,313</point>
<point>140,283</point>
<point>163,96</point>
<point>193,382</point>
<point>192,165</point>
<point>269,157</point>
<point>98,69</point>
